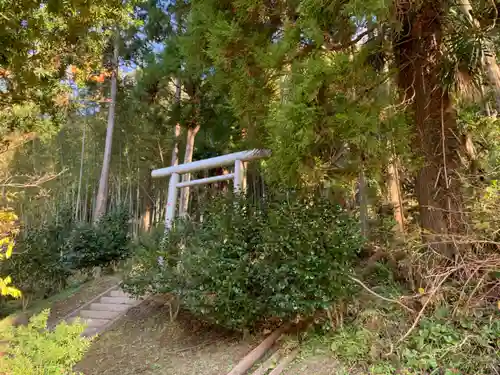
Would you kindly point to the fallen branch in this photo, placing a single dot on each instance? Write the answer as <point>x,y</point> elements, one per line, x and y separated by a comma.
<point>248,361</point>
<point>35,182</point>
<point>262,370</point>
<point>381,297</point>
<point>285,362</point>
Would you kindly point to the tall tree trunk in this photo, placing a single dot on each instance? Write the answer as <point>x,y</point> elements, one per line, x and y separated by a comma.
<point>489,59</point>
<point>363,202</point>
<point>102,193</point>
<point>82,156</point>
<point>188,157</point>
<point>147,203</point>
<point>393,180</point>
<point>177,133</point>
<point>177,129</point>
<point>394,192</point>
<point>418,54</point>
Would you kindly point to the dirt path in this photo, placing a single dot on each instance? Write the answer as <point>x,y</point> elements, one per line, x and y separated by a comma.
<point>145,342</point>
<point>316,365</point>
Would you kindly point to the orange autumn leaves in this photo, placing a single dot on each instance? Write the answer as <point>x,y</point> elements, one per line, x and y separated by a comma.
<point>82,73</point>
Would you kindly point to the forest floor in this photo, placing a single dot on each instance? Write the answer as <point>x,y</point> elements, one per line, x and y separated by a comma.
<point>145,341</point>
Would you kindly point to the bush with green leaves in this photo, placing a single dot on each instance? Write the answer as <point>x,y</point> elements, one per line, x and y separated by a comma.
<point>47,255</point>
<point>98,245</point>
<point>36,267</point>
<point>287,257</point>
<point>34,350</point>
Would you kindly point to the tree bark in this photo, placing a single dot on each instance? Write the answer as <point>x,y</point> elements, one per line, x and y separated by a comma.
<point>394,192</point>
<point>418,54</point>
<point>177,129</point>
<point>188,157</point>
<point>363,202</point>
<point>102,193</point>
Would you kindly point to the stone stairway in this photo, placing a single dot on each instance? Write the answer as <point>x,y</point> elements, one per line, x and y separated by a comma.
<point>103,310</point>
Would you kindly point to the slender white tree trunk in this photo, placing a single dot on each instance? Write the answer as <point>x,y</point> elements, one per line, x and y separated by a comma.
<point>177,131</point>
<point>188,157</point>
<point>102,193</point>
<point>82,156</point>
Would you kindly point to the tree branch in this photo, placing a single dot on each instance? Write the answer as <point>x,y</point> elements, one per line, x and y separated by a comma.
<point>339,47</point>
<point>35,182</point>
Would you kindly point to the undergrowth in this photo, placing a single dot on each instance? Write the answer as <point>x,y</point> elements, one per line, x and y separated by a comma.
<point>34,350</point>
<point>371,339</point>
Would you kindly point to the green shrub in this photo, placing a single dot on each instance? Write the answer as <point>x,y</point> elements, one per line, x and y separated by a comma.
<point>48,254</point>
<point>34,350</point>
<point>244,264</point>
<point>37,267</point>
<point>99,245</point>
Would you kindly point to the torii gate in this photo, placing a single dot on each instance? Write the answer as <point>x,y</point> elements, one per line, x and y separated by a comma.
<point>237,158</point>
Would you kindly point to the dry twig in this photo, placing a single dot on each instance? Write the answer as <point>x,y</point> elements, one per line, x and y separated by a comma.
<point>381,297</point>
<point>421,312</point>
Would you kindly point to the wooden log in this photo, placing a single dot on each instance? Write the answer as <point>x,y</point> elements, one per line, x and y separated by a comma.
<point>285,362</point>
<point>248,361</point>
<point>274,358</point>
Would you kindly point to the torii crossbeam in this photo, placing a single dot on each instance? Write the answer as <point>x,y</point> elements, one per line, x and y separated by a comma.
<point>237,158</point>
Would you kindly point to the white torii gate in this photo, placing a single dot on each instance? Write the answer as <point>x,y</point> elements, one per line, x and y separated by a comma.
<point>237,158</point>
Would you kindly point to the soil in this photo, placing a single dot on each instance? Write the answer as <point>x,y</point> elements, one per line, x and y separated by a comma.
<point>145,341</point>
<point>316,365</point>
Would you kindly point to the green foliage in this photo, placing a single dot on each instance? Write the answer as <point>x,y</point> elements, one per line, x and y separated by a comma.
<point>34,350</point>
<point>44,39</point>
<point>352,344</point>
<point>7,218</point>
<point>444,343</point>
<point>243,264</point>
<point>48,254</point>
<point>440,344</point>
<point>98,245</point>
<point>37,267</point>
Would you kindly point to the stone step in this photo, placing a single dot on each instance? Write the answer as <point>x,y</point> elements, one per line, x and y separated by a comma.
<point>109,307</point>
<point>91,322</point>
<point>118,300</point>
<point>90,331</point>
<point>119,293</point>
<point>99,314</point>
